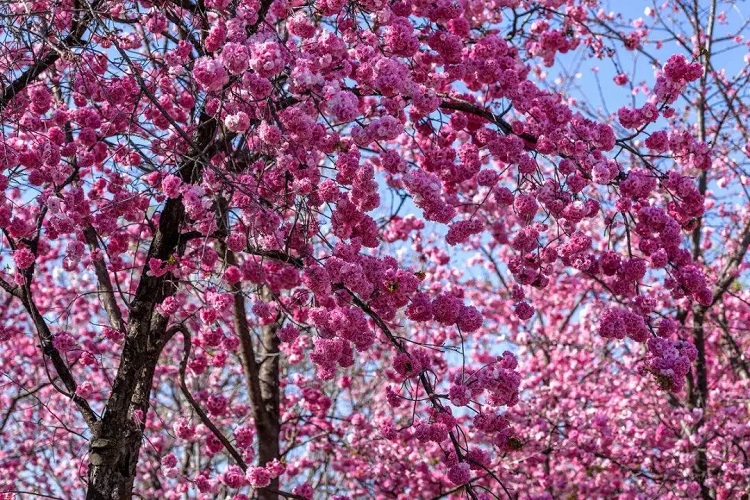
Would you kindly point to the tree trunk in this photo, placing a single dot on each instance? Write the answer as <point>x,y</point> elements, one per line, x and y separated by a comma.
<point>699,398</point>
<point>261,369</point>
<point>262,379</point>
<point>114,447</point>
<point>268,430</point>
<point>113,451</point>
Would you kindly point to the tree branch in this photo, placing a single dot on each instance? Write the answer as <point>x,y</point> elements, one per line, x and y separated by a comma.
<point>196,407</point>
<point>73,40</point>
<point>106,291</point>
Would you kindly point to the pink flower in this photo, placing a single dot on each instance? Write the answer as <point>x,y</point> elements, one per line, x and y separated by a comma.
<point>487,178</point>
<point>469,319</point>
<point>238,122</point>
<point>63,342</point>
<point>621,79</point>
<point>275,468</point>
<point>210,73</point>
<point>316,278</point>
<point>169,306</point>
<point>446,308</point>
<point>213,444</point>
<point>170,185</point>
<point>217,35</point>
<point>460,231</point>
<point>526,206</point>
<point>259,477</point>
<point>399,38</point>
<point>85,389</point>
<point>41,98</point>
<point>300,25</point>
<point>386,128</point>
<point>407,366</point>
<point>460,395</point>
<point>169,460</point>
<point>183,429</point>
<point>268,59</point>
<point>232,275</point>
<point>305,491</point>
<point>420,308</point>
<point>459,473</point>
<point>24,258</point>
<point>524,311</point>
<point>236,241</point>
<point>343,106</point>
<point>235,58</point>
<point>243,436</point>
<point>204,484</point>
<point>288,333</point>
<point>233,477</point>
<point>216,404</point>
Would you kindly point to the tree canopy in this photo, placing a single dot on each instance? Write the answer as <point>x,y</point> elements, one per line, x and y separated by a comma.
<point>374,249</point>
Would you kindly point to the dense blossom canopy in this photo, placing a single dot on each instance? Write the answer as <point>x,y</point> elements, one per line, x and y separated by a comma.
<point>370,249</point>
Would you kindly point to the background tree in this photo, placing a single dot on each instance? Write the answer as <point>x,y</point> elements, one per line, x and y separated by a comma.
<point>374,249</point>
<point>628,436</point>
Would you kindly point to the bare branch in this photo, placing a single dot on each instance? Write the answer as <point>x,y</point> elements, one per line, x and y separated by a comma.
<point>106,291</point>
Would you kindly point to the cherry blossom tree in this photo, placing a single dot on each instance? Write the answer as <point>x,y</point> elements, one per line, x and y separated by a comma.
<point>338,249</point>
<point>617,433</point>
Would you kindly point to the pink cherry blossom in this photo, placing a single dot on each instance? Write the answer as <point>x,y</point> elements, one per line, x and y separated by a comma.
<point>330,249</point>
